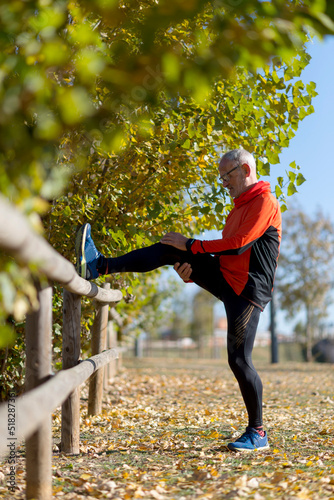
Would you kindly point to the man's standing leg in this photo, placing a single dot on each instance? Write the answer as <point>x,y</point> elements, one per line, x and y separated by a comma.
<point>243,318</point>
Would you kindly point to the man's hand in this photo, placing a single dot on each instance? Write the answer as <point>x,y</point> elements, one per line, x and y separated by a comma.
<point>176,240</point>
<point>184,270</point>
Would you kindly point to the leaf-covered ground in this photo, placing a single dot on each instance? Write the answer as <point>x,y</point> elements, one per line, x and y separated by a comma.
<point>164,430</point>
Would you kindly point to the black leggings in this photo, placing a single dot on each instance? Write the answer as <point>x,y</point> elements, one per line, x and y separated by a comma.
<point>242,316</point>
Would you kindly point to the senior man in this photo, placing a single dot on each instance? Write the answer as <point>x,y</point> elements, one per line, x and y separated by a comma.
<point>238,269</point>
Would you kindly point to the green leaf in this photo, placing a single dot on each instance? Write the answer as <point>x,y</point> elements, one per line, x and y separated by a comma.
<point>191,130</point>
<point>302,113</point>
<point>278,191</point>
<point>273,157</point>
<point>291,189</point>
<point>310,110</point>
<point>300,179</point>
<point>7,336</point>
<point>311,89</point>
<point>292,176</point>
<point>67,211</point>
<point>264,169</point>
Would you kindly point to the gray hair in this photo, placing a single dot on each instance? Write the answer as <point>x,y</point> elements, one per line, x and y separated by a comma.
<point>240,156</point>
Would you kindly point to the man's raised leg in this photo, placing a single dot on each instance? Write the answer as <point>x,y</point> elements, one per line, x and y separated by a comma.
<point>91,263</point>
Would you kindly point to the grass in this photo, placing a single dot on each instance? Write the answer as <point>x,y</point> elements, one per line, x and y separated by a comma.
<point>164,429</point>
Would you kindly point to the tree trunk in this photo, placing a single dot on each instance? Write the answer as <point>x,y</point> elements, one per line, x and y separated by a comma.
<point>309,336</point>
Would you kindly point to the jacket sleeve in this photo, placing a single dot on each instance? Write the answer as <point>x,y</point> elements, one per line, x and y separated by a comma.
<point>258,219</point>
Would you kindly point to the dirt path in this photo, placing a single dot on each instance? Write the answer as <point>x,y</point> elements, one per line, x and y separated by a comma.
<point>164,427</point>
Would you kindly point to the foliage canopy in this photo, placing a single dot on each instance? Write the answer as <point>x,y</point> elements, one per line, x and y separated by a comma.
<point>67,67</point>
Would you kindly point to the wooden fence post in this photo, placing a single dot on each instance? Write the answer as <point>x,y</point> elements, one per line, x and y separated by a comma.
<point>99,334</point>
<point>38,370</point>
<point>70,417</point>
<point>116,318</point>
<point>111,368</point>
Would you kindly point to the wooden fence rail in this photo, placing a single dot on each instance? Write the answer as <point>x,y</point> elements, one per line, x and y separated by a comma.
<point>38,404</point>
<point>18,239</point>
<point>46,391</point>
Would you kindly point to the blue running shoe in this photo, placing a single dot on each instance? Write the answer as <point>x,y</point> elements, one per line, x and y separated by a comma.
<point>86,254</point>
<point>250,441</point>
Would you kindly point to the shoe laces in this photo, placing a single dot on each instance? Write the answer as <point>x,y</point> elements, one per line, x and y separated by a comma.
<point>249,434</point>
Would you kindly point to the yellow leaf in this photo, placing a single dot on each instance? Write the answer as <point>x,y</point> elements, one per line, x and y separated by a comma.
<point>85,476</point>
<point>57,489</point>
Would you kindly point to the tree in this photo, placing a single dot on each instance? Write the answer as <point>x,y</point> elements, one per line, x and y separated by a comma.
<point>305,270</point>
<point>203,321</point>
<point>89,88</point>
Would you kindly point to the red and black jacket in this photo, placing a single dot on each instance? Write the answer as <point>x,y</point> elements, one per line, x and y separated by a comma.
<point>249,247</point>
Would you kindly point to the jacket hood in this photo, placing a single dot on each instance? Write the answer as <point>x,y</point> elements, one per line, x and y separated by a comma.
<point>260,187</point>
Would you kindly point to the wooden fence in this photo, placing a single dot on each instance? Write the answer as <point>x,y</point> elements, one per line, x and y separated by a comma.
<point>29,416</point>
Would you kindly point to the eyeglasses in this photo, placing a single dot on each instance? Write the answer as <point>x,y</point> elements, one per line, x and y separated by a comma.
<point>226,177</point>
